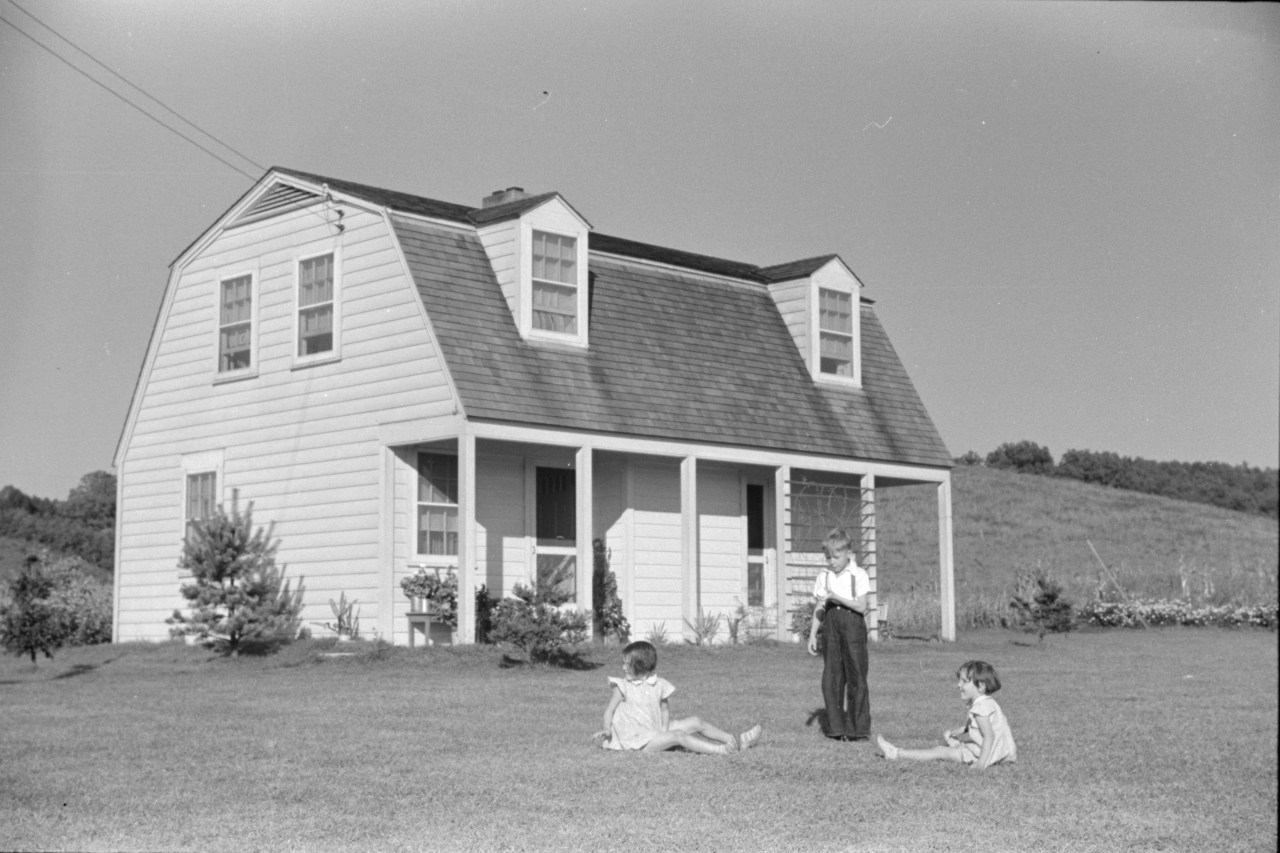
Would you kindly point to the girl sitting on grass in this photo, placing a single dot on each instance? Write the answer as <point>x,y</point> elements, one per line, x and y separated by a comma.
<point>985,738</point>
<point>638,717</point>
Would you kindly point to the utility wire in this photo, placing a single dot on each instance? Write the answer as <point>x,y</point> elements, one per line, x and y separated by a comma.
<point>99,83</point>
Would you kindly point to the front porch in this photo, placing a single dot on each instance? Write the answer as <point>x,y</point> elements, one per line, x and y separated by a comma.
<point>689,528</point>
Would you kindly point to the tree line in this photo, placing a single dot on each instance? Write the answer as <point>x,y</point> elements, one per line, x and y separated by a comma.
<point>1237,487</point>
<point>83,525</point>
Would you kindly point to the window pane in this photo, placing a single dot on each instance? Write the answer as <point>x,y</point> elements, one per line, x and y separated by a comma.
<point>315,330</point>
<point>437,478</point>
<point>835,311</point>
<point>438,530</point>
<point>755,585</point>
<point>555,308</point>
<point>236,300</point>
<point>562,568</point>
<point>836,354</point>
<point>315,281</point>
<point>555,258</point>
<point>233,348</point>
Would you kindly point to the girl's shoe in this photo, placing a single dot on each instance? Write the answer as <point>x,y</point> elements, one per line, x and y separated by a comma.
<point>750,737</point>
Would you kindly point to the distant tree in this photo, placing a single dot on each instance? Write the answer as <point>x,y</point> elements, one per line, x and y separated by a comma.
<point>970,458</point>
<point>93,501</point>
<point>1025,457</point>
<point>239,598</point>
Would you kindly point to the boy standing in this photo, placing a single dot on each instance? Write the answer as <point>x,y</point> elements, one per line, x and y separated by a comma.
<point>840,594</point>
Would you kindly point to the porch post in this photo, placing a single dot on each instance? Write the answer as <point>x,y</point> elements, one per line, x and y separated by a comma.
<point>867,521</point>
<point>781,511</point>
<point>947,584</point>
<point>585,526</point>
<point>689,541</point>
<point>466,630</point>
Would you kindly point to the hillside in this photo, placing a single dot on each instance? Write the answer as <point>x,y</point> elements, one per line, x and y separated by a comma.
<point>1005,522</point>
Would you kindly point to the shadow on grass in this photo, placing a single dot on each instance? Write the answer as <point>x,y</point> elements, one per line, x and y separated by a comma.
<point>560,660</point>
<point>80,669</point>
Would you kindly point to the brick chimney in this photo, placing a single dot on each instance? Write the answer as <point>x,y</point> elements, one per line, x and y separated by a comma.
<point>498,197</point>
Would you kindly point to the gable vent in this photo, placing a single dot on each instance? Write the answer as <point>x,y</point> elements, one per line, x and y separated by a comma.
<point>276,199</point>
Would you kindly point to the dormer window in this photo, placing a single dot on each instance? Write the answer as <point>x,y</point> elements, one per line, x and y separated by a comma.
<point>835,330</point>
<point>555,283</point>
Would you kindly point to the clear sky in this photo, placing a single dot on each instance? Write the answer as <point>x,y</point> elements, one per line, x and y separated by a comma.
<point>1068,213</point>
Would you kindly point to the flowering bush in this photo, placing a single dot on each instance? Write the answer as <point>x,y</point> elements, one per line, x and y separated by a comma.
<point>441,594</point>
<point>1133,614</point>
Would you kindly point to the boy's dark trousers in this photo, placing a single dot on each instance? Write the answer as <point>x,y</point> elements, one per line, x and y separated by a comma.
<point>844,672</point>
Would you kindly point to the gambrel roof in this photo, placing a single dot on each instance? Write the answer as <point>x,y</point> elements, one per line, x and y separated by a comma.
<point>682,346</point>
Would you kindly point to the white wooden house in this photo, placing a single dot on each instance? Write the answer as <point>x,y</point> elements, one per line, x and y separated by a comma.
<point>396,382</point>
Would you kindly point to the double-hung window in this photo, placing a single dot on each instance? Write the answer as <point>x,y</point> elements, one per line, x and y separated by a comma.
<point>202,499</point>
<point>835,332</point>
<point>555,283</point>
<point>437,500</point>
<point>235,324</point>
<point>316,305</point>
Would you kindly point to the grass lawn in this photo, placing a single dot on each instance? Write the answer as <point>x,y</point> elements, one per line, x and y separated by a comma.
<point>1162,739</point>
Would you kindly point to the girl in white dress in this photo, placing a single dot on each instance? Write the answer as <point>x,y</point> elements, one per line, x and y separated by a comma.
<point>638,717</point>
<point>985,738</point>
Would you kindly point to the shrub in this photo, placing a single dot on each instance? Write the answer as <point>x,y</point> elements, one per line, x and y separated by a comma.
<point>609,618</point>
<point>239,598</point>
<point>50,606</point>
<point>971,458</point>
<point>84,599</point>
<point>1025,457</point>
<point>533,621</point>
<point>1135,614</point>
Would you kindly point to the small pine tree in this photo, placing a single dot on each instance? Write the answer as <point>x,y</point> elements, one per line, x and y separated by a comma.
<point>609,618</point>
<point>533,620</point>
<point>1040,604</point>
<point>29,621</point>
<point>239,598</point>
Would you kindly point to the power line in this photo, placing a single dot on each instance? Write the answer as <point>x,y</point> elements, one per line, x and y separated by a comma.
<point>99,83</point>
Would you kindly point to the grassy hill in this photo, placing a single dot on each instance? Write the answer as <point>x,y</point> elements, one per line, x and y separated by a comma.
<point>1004,523</point>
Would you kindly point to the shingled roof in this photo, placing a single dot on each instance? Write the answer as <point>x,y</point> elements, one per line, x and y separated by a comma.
<point>674,353</point>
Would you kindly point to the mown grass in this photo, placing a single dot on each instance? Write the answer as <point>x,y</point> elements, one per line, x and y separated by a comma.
<point>1128,740</point>
<point>1005,523</point>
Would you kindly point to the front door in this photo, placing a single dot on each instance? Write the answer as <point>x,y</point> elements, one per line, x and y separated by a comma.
<point>555,535</point>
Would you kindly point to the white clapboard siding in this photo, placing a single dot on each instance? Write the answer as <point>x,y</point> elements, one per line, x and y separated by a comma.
<point>721,541</point>
<point>792,299</point>
<point>500,518</point>
<point>656,549</point>
<point>300,442</point>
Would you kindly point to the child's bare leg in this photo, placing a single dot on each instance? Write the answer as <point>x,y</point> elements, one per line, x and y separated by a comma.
<point>672,738</point>
<point>697,725</point>
<point>935,753</point>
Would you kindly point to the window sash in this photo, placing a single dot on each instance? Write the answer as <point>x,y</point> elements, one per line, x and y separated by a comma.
<point>555,258</point>
<point>555,308</point>
<point>835,311</point>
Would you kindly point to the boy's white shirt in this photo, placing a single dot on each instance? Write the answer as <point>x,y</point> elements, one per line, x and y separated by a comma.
<point>850,582</point>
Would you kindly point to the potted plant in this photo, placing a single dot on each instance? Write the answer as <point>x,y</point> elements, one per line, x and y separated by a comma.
<point>428,592</point>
